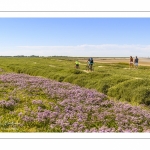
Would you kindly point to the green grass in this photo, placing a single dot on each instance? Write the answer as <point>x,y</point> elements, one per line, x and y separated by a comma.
<point>115,80</point>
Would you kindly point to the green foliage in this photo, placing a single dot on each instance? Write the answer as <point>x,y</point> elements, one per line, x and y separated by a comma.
<point>61,78</point>
<point>143,95</point>
<point>134,90</point>
<point>80,81</point>
<point>116,79</point>
<point>70,78</point>
<point>106,83</point>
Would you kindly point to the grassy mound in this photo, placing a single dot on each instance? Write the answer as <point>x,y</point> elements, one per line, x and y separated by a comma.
<point>135,91</point>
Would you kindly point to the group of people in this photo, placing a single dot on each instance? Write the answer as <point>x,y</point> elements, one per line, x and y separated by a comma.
<point>133,62</point>
<point>90,63</point>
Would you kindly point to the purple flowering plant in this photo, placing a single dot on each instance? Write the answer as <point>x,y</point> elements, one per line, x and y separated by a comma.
<point>44,105</point>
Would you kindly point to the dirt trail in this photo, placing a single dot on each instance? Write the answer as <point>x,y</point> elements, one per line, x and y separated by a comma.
<point>86,71</point>
<point>126,68</point>
<point>52,66</point>
<point>137,78</point>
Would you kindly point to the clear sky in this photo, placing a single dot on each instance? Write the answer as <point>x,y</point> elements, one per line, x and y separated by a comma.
<point>99,37</point>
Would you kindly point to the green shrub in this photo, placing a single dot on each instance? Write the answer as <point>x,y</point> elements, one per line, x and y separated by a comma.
<point>110,81</point>
<point>92,84</point>
<point>70,78</point>
<point>61,78</point>
<point>135,90</point>
<point>80,82</point>
<point>142,94</point>
<point>103,87</point>
<point>98,75</point>
<point>75,71</point>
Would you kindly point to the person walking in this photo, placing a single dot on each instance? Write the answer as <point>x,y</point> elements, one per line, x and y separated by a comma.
<point>88,65</point>
<point>136,61</point>
<point>91,62</point>
<point>131,62</point>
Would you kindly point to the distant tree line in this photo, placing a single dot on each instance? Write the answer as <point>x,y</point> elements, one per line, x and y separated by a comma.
<point>21,56</point>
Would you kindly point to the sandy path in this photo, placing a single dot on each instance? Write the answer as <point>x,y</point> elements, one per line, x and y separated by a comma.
<point>52,66</point>
<point>86,71</point>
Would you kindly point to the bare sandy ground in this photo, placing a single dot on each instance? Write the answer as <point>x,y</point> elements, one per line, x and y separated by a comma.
<point>142,61</point>
<point>86,71</point>
<point>52,66</point>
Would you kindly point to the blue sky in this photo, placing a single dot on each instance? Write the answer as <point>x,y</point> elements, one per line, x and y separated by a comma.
<point>75,36</point>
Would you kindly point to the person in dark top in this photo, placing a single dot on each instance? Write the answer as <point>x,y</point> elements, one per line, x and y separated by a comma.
<point>136,61</point>
<point>91,62</point>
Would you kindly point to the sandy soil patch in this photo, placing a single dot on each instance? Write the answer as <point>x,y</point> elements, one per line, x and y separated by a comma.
<point>126,68</point>
<point>52,66</point>
<point>137,78</point>
<point>86,71</point>
<point>83,64</point>
<point>1,70</point>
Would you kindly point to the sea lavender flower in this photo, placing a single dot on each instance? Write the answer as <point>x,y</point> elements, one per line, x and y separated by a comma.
<point>7,104</point>
<point>73,104</point>
<point>37,102</point>
<point>20,114</point>
<point>27,119</point>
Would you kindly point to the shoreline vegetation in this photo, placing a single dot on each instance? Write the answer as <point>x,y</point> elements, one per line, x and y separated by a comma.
<point>112,98</point>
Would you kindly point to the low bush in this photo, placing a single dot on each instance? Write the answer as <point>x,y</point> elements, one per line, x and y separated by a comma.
<point>135,90</point>
<point>108,82</point>
<point>75,71</point>
<point>142,94</point>
<point>70,78</point>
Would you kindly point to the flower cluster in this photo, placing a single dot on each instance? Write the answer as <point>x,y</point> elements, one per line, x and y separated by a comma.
<point>7,104</point>
<point>37,102</point>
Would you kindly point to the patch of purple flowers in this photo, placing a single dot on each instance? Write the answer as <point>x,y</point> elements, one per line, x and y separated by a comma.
<point>7,104</point>
<point>76,109</point>
<point>37,102</point>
